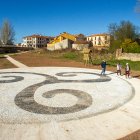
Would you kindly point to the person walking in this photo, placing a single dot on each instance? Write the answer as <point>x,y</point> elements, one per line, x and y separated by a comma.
<point>103,66</point>
<point>127,70</point>
<point>119,67</point>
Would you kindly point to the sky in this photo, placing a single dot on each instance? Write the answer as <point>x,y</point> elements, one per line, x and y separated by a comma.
<point>52,17</point>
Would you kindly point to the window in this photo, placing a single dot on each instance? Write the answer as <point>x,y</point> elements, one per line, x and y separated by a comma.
<point>99,43</point>
<point>105,37</point>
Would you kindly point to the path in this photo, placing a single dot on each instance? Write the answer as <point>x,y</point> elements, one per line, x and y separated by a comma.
<point>15,62</point>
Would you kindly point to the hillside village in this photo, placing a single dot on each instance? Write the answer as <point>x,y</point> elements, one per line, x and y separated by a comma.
<point>66,40</point>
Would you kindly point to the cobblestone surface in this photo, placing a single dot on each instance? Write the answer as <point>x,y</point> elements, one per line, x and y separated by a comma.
<point>38,95</point>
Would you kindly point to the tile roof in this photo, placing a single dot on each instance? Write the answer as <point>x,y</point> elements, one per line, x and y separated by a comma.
<point>103,34</point>
<point>38,36</point>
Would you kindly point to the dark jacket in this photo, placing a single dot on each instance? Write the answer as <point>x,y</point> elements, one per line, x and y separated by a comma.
<point>103,64</point>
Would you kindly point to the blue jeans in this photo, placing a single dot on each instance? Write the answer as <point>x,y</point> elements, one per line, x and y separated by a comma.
<point>103,71</point>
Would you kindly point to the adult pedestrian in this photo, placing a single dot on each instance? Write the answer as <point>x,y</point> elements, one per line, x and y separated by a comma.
<point>103,66</point>
<point>127,70</point>
<point>119,67</point>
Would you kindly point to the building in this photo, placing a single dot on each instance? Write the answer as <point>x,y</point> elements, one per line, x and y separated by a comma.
<point>36,41</point>
<point>18,44</point>
<point>80,45</point>
<point>100,41</point>
<point>64,40</point>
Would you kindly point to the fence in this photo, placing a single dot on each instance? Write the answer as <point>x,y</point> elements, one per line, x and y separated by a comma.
<point>13,49</point>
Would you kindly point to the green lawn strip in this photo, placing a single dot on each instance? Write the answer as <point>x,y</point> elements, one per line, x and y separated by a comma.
<point>134,65</point>
<point>2,55</point>
<point>72,56</point>
<point>65,55</point>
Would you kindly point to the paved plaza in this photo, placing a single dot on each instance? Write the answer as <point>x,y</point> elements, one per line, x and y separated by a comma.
<point>64,103</point>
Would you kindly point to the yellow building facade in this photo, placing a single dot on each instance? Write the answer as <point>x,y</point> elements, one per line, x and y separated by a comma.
<point>63,41</point>
<point>62,37</point>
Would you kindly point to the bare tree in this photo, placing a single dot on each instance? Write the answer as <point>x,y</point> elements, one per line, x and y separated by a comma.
<point>7,33</point>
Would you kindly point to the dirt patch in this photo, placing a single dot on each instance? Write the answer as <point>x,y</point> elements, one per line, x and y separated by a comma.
<point>133,136</point>
<point>5,64</point>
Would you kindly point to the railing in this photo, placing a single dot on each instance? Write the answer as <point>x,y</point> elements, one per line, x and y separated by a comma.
<point>13,49</point>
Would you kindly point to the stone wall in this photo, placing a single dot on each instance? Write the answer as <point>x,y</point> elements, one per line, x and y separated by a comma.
<point>127,56</point>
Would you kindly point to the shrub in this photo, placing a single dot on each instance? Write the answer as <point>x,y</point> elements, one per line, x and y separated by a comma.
<point>130,47</point>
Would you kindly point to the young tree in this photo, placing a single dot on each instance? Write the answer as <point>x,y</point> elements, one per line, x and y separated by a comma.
<point>7,33</point>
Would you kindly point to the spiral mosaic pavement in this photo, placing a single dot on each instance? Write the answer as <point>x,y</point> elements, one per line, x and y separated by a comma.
<point>38,95</point>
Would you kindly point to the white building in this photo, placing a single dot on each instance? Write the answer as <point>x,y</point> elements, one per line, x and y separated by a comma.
<point>100,41</point>
<point>36,41</point>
